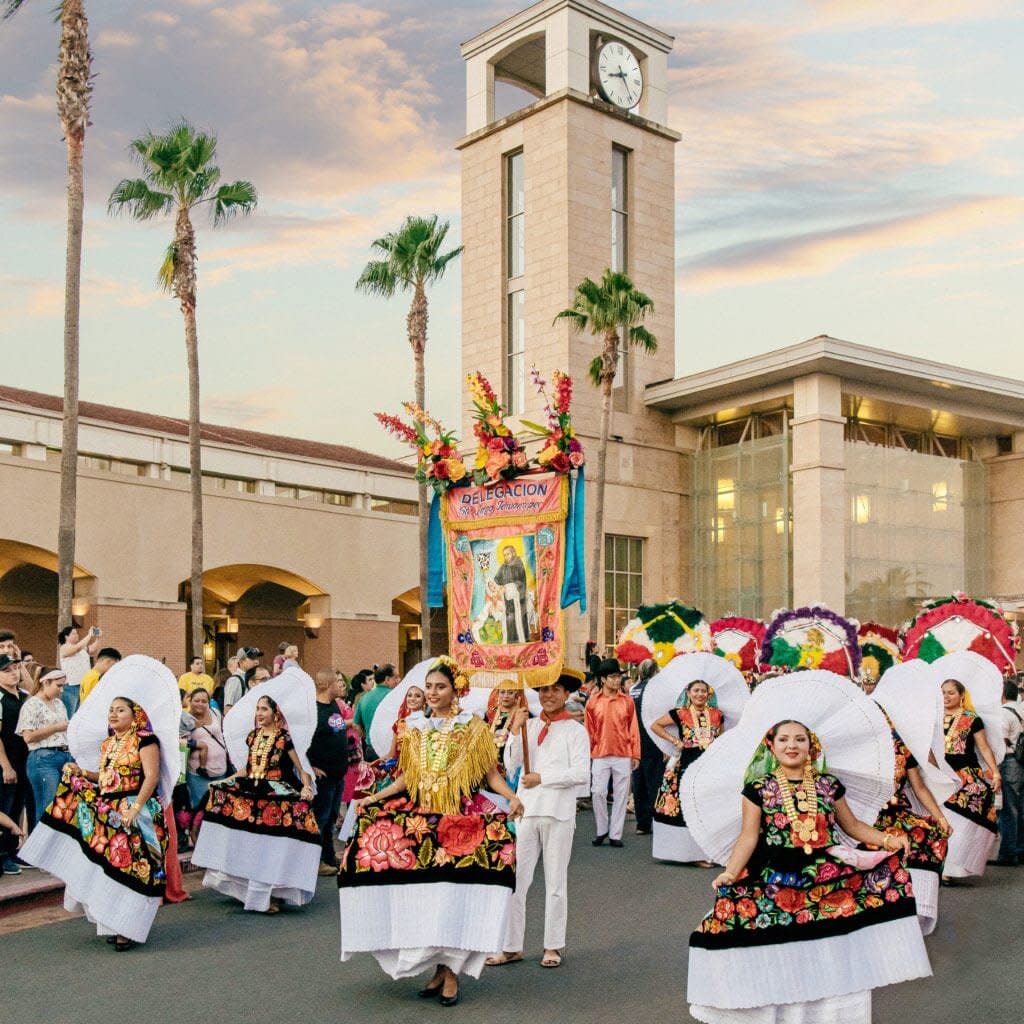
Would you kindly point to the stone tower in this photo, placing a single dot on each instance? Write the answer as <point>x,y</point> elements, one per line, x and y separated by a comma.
<point>578,181</point>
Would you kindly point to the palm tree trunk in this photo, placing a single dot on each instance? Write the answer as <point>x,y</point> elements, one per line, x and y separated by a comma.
<point>73,92</point>
<point>596,619</point>
<point>416,324</point>
<point>185,285</point>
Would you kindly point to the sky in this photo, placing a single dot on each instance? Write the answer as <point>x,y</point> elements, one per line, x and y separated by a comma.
<point>848,167</point>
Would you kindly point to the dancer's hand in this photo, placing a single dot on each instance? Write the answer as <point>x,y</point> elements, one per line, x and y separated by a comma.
<point>724,878</point>
<point>515,808</point>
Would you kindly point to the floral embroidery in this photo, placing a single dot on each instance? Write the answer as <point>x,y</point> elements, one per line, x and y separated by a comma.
<point>975,799</point>
<point>95,818</point>
<point>667,808</point>
<point>398,836</point>
<point>785,887</point>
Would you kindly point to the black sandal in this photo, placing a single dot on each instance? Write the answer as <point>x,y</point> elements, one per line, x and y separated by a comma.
<point>121,943</point>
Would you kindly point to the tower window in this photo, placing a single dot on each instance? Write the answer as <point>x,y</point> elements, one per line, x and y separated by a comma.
<point>515,207</point>
<point>620,209</point>
<point>515,361</point>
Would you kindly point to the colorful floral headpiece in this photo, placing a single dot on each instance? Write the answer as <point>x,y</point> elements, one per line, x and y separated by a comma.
<point>461,680</point>
<point>764,762</point>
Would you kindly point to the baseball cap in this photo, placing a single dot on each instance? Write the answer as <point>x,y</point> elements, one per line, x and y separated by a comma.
<point>249,652</point>
<point>6,659</point>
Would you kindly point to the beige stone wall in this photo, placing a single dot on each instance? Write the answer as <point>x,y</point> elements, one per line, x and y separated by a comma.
<point>567,152</point>
<point>133,538</point>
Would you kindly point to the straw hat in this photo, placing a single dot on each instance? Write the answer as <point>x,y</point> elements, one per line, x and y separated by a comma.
<point>148,683</point>
<point>854,735</point>
<point>662,692</point>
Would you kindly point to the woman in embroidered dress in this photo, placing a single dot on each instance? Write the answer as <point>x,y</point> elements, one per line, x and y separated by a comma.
<point>104,834</point>
<point>698,725</point>
<point>428,829</point>
<point>912,706</point>
<point>501,706</point>
<point>259,839</point>
<point>972,808</point>
<point>801,929</point>
<point>414,702</point>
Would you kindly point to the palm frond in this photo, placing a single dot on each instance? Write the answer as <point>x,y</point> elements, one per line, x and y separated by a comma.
<point>377,278</point>
<point>579,320</point>
<point>10,8</point>
<point>165,275</point>
<point>134,197</point>
<point>230,200</point>
<point>596,370</point>
<point>642,338</point>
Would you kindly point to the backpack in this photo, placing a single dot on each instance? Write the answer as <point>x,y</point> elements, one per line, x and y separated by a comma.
<point>1018,747</point>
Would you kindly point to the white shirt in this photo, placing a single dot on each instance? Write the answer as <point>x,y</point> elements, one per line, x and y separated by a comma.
<point>1013,712</point>
<point>76,666</point>
<point>562,761</point>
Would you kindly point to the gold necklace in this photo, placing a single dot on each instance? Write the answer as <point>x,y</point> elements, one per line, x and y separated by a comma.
<point>701,726</point>
<point>262,747</point>
<point>797,804</point>
<point>434,759</point>
<point>951,729</point>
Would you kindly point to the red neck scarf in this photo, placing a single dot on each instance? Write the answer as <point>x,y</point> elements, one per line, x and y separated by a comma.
<point>559,716</point>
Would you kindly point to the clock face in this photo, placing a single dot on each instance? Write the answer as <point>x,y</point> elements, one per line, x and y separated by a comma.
<point>618,75</point>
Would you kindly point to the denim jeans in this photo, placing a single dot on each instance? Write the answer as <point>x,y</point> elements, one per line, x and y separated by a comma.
<point>70,697</point>
<point>326,805</point>
<point>44,769</point>
<point>15,797</point>
<point>1011,814</point>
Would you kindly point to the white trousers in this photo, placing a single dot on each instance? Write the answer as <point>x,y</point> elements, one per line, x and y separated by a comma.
<point>618,769</point>
<point>552,839</point>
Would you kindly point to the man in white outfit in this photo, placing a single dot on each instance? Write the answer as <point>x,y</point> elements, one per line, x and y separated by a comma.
<point>559,764</point>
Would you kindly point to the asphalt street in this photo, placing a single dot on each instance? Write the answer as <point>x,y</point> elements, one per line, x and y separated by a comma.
<point>207,962</point>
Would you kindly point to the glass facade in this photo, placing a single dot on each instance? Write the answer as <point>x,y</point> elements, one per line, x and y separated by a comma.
<point>742,528</point>
<point>623,581</point>
<point>916,528</point>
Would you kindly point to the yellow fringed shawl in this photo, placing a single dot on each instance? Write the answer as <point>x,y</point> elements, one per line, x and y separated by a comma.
<point>440,769</point>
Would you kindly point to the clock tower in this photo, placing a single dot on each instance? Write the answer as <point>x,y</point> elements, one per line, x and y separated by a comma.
<point>578,181</point>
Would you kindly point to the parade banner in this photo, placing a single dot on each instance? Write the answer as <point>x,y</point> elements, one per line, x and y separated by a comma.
<point>505,548</point>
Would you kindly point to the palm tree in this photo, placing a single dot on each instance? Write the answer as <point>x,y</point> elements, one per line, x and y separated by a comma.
<point>606,310</point>
<point>410,259</point>
<point>179,176</point>
<point>74,90</point>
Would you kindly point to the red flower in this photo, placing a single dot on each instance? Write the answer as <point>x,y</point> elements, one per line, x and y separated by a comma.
<point>724,909</point>
<point>507,854</point>
<point>804,917</point>
<point>560,463</point>
<point>120,854</point>
<point>853,883</point>
<point>838,904</point>
<point>790,900</point>
<point>385,845</point>
<point>748,908</point>
<point>272,815</point>
<point>460,834</point>
<point>892,895</point>
<point>441,470</point>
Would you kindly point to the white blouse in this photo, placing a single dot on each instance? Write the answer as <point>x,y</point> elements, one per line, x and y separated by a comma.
<point>37,713</point>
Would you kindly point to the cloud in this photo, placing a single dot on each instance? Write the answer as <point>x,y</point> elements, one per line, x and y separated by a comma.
<point>114,37</point>
<point>851,15</point>
<point>820,252</point>
<point>254,410</point>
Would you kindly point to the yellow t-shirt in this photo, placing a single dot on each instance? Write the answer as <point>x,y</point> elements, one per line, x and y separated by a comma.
<point>189,682</point>
<point>89,680</point>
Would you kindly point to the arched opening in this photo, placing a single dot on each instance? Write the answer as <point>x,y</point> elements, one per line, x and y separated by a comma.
<point>28,596</point>
<point>253,606</point>
<point>520,75</point>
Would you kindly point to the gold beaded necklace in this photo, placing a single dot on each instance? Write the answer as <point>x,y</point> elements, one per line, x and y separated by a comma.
<point>798,806</point>
<point>701,726</point>
<point>951,730</point>
<point>262,748</point>
<point>434,756</point>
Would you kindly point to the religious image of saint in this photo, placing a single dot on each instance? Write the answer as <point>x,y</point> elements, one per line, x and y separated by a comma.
<point>511,577</point>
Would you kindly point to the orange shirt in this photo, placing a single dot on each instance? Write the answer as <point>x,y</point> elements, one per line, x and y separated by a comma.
<point>611,724</point>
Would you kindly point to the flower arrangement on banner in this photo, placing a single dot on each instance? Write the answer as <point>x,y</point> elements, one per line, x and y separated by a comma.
<point>501,454</point>
<point>962,623</point>
<point>561,450</point>
<point>438,461</point>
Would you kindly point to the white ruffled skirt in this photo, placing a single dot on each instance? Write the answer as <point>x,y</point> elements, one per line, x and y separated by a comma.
<point>677,844</point>
<point>926,895</point>
<point>88,889</point>
<point>412,928</point>
<point>811,972</point>
<point>970,846</point>
<point>254,868</point>
<point>850,1009</point>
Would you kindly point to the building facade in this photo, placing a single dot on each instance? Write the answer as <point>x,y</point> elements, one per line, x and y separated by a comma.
<point>295,534</point>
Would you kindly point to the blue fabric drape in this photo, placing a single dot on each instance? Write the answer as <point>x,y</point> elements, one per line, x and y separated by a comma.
<point>437,569</point>
<point>574,585</point>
